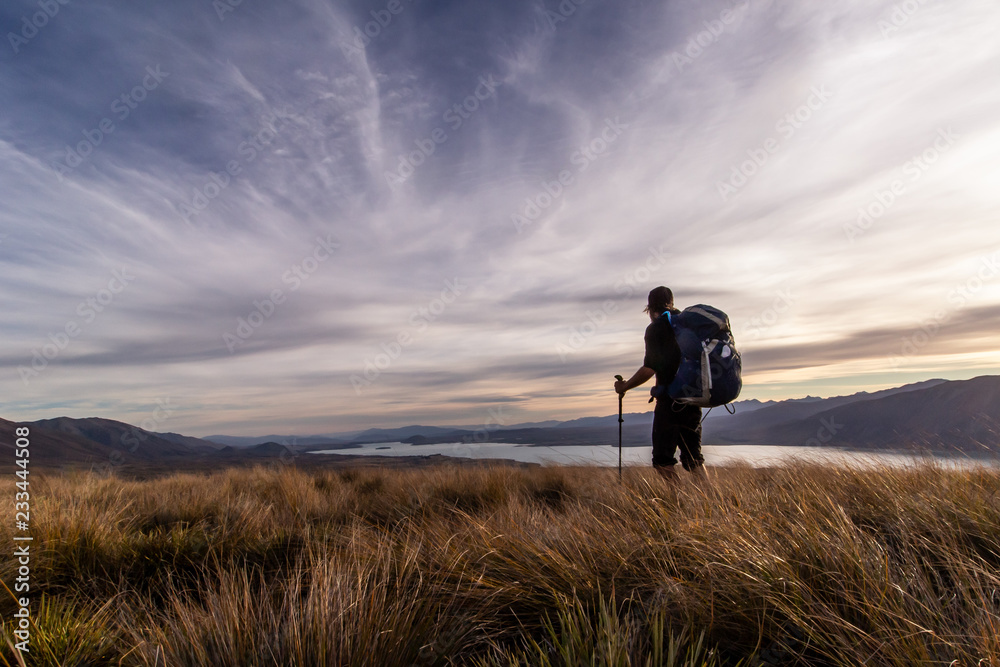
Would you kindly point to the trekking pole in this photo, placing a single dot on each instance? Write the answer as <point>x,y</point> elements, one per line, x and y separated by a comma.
<point>620,420</point>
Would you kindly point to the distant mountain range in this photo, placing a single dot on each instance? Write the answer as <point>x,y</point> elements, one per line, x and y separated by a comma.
<point>936,415</point>
<point>93,440</point>
<point>959,416</point>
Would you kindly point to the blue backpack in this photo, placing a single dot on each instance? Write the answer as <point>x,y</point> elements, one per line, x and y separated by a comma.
<point>710,372</point>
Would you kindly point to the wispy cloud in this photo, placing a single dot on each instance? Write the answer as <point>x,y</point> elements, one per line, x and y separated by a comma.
<point>270,128</point>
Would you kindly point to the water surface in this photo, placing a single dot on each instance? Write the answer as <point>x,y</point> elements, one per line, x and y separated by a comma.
<point>755,455</point>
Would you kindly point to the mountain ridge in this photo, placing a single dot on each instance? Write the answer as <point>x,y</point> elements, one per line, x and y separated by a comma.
<point>937,415</point>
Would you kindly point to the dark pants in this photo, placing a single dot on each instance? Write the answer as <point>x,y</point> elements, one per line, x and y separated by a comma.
<point>676,425</point>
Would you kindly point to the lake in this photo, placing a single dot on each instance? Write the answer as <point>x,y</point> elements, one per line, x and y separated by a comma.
<point>756,455</point>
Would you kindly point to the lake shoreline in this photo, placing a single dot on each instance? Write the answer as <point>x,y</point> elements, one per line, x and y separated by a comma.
<point>607,456</point>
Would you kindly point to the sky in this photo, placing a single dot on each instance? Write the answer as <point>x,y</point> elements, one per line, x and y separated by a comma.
<point>317,216</point>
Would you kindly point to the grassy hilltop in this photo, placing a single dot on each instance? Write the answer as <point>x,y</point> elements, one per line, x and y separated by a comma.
<point>506,566</point>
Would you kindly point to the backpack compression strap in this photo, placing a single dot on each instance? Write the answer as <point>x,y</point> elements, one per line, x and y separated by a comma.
<point>723,324</point>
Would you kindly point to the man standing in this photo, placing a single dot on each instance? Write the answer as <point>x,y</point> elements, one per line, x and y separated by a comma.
<point>675,425</point>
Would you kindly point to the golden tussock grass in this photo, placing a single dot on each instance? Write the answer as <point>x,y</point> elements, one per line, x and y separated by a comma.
<point>499,565</point>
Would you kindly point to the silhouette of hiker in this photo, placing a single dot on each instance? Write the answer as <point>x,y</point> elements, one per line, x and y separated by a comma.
<point>675,425</point>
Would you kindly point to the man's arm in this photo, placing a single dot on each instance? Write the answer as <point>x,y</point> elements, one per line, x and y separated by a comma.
<point>641,376</point>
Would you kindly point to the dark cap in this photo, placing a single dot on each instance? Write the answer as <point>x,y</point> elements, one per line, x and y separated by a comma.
<point>660,298</point>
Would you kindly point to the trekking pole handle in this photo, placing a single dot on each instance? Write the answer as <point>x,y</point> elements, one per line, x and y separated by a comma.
<point>620,397</point>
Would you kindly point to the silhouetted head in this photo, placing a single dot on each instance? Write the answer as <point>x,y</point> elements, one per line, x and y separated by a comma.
<point>660,299</point>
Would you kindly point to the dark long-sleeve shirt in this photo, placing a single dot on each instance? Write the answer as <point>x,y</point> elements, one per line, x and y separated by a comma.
<point>662,352</point>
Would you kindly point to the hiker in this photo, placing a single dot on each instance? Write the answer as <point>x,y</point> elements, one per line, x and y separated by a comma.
<point>675,425</point>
